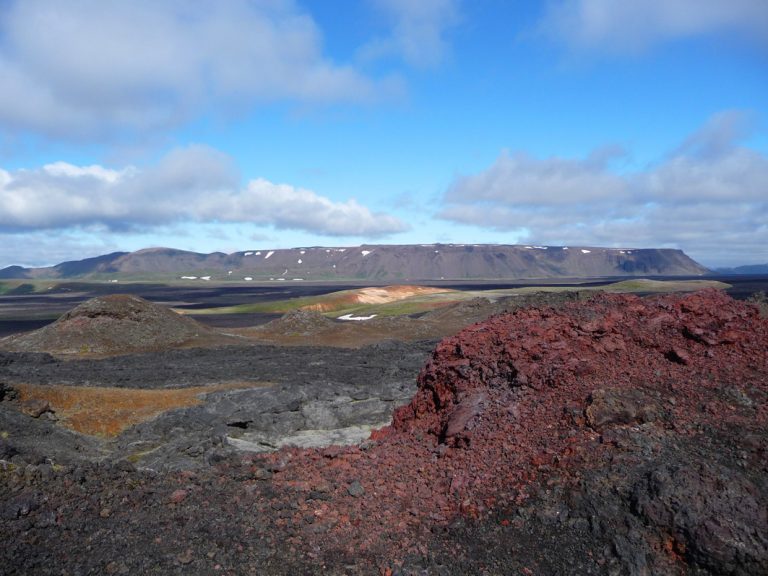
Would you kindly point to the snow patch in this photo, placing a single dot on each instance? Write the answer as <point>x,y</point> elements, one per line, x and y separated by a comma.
<point>299,260</point>
<point>347,317</point>
<point>205,277</point>
<point>248,278</point>
<point>257,254</point>
<point>269,254</point>
<point>365,252</point>
<point>583,251</point>
<point>189,277</point>
<point>248,254</point>
<point>302,252</point>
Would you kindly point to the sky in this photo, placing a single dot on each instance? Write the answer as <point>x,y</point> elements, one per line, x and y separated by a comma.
<point>248,124</point>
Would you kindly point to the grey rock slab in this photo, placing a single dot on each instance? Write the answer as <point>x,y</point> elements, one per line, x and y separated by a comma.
<point>262,442</point>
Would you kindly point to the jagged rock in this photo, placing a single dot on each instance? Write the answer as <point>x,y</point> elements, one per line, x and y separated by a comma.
<point>617,406</point>
<point>34,407</point>
<point>715,514</point>
<point>302,322</point>
<point>7,392</point>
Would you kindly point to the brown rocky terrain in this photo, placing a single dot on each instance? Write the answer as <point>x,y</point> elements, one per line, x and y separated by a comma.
<point>305,327</point>
<point>618,435</point>
<point>115,324</point>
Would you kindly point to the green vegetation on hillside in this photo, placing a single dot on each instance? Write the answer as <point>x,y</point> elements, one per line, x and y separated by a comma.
<point>340,303</point>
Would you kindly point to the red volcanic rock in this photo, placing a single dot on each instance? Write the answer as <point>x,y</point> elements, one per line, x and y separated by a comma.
<point>615,340</point>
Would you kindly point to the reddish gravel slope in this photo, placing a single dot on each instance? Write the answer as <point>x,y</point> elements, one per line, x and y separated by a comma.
<point>510,402</point>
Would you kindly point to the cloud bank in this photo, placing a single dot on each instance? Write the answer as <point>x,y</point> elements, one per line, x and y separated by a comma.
<point>88,69</point>
<point>193,184</point>
<point>707,197</point>
<point>633,26</point>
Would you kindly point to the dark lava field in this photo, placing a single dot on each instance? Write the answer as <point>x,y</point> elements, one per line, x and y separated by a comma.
<point>610,435</point>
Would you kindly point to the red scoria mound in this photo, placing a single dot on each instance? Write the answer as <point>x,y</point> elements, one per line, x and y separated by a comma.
<point>511,399</point>
<point>616,341</point>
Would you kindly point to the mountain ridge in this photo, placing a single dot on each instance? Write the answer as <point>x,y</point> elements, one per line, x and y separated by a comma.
<point>747,269</point>
<point>375,262</point>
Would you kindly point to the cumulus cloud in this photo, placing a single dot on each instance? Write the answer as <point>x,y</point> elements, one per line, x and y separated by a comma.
<point>90,68</point>
<point>419,30</point>
<point>707,197</point>
<point>286,207</point>
<point>531,181</point>
<point>632,26</point>
<point>193,184</point>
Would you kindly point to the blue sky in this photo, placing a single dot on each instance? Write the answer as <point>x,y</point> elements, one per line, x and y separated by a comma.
<point>276,123</point>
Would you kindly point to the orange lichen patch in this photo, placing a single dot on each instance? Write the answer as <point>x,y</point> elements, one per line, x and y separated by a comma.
<point>106,412</point>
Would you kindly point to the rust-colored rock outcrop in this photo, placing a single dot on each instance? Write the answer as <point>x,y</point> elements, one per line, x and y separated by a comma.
<point>615,341</point>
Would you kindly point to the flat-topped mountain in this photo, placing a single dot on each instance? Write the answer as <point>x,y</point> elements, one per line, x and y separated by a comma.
<point>377,263</point>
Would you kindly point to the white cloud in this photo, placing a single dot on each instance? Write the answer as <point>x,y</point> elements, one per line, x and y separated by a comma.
<point>194,184</point>
<point>708,197</point>
<point>94,68</point>
<point>530,181</point>
<point>287,207</point>
<point>632,26</point>
<point>419,29</point>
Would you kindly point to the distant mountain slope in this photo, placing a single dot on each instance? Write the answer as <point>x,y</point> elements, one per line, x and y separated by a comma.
<point>377,262</point>
<point>748,269</point>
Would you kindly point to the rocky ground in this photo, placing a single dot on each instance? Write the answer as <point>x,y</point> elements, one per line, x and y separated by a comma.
<point>614,436</point>
<point>116,324</point>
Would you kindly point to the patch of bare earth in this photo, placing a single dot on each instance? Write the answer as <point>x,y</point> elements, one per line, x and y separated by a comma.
<point>107,411</point>
<point>372,295</point>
